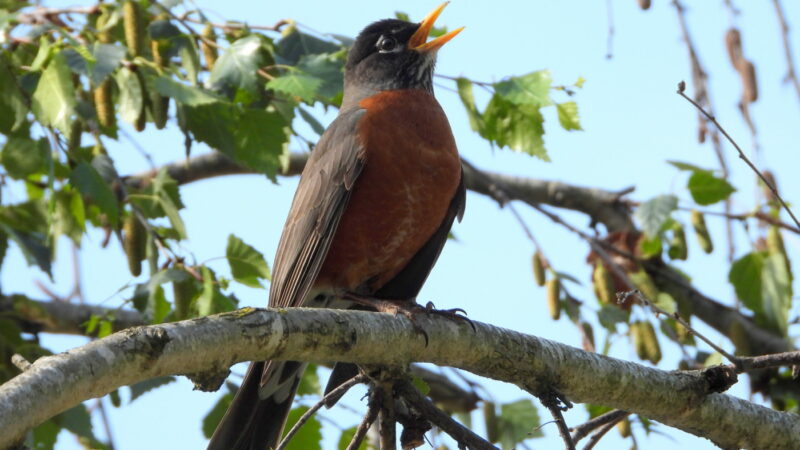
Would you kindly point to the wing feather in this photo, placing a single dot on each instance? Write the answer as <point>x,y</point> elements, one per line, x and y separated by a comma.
<point>318,205</point>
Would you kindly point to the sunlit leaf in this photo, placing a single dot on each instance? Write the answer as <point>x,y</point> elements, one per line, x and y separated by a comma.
<point>53,102</point>
<point>237,66</point>
<point>706,189</point>
<point>653,213</point>
<point>568,115</point>
<point>247,264</point>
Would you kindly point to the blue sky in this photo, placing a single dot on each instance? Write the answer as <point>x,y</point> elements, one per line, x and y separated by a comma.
<point>633,122</point>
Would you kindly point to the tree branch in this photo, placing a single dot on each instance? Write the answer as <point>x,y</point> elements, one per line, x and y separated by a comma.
<point>680,399</point>
<point>64,317</point>
<point>601,205</point>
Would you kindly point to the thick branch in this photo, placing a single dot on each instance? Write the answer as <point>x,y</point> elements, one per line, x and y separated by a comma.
<point>64,317</point>
<point>680,399</point>
<point>601,205</point>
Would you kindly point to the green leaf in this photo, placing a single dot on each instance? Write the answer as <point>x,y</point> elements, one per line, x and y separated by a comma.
<point>311,120</point>
<point>190,60</point>
<point>212,419</point>
<point>666,302</point>
<point>310,434</point>
<point>568,115</point>
<point>131,97</point>
<point>45,435</point>
<point>328,67</point>
<point>296,44</point>
<point>296,85</point>
<point>309,382</point>
<point>23,156</point>
<point>13,107</point>
<point>77,421</point>
<point>686,166</point>
<point>519,127</point>
<point>34,247</point>
<point>187,95</point>
<point>260,138</point>
<point>420,384</point>
<point>706,189</point>
<point>651,246</point>
<point>53,102</point>
<point>776,292</point>
<point>108,58</point>
<point>237,67</point>
<point>211,300</point>
<point>149,201</point>
<point>468,99</point>
<point>610,315</point>
<point>531,89</point>
<point>745,275</point>
<point>86,179</point>
<point>518,421</point>
<point>141,388</point>
<point>654,212</point>
<point>247,264</point>
<point>597,410</point>
<point>70,216</point>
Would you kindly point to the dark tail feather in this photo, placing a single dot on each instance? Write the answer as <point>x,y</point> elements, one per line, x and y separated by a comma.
<point>253,423</point>
<point>341,372</point>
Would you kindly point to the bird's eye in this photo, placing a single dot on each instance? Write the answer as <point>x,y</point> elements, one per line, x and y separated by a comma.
<point>387,44</point>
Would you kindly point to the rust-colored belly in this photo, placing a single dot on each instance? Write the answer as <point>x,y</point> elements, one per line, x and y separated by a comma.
<point>411,173</point>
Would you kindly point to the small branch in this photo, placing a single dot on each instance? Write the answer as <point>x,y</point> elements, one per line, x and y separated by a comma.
<point>599,434</point>
<point>742,217</point>
<point>742,156</point>
<point>610,33</point>
<point>791,75</point>
<point>387,423</point>
<point>366,423</point>
<point>338,392</point>
<point>585,428</point>
<point>552,401</point>
<point>20,362</point>
<point>461,434</point>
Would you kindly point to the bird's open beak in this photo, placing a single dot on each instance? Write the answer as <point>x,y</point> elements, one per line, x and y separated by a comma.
<point>417,41</point>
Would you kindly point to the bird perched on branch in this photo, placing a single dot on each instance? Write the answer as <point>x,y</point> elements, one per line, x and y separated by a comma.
<point>371,214</point>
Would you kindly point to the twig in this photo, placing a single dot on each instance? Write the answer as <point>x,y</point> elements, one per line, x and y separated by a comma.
<point>699,77</point>
<point>791,75</point>
<point>610,35</point>
<point>623,296</point>
<point>460,433</point>
<point>369,419</point>
<point>238,26</point>
<point>344,387</point>
<point>20,362</point>
<point>583,430</point>
<point>758,215</point>
<point>101,407</point>
<point>599,434</point>
<point>387,422</point>
<point>552,401</point>
<point>742,156</point>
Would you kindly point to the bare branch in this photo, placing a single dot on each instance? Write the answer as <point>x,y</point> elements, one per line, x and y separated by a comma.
<point>791,75</point>
<point>585,428</point>
<point>742,156</point>
<point>460,433</point>
<point>338,392</point>
<point>679,399</point>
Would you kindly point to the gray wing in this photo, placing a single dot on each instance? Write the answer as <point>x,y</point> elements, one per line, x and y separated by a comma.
<point>320,200</point>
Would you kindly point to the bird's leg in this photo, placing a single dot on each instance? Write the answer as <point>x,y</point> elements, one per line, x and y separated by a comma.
<point>409,309</point>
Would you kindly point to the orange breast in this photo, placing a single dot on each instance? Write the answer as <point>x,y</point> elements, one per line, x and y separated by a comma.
<point>410,175</point>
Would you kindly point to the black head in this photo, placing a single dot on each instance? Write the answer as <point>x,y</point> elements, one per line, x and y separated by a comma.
<point>393,54</point>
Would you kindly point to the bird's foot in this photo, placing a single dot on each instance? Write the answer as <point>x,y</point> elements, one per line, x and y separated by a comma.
<point>411,310</point>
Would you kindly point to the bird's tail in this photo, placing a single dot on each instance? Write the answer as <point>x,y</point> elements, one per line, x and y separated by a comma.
<point>257,415</point>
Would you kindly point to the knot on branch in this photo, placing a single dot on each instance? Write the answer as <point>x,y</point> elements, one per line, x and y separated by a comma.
<point>719,378</point>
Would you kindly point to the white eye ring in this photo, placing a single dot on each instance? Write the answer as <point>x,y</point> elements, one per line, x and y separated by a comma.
<point>387,44</point>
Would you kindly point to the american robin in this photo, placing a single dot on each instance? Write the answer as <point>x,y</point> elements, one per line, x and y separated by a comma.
<point>371,214</point>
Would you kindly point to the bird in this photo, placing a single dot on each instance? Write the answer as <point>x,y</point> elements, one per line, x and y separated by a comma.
<point>371,213</point>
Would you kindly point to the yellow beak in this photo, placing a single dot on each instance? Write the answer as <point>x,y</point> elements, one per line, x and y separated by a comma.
<point>417,40</point>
